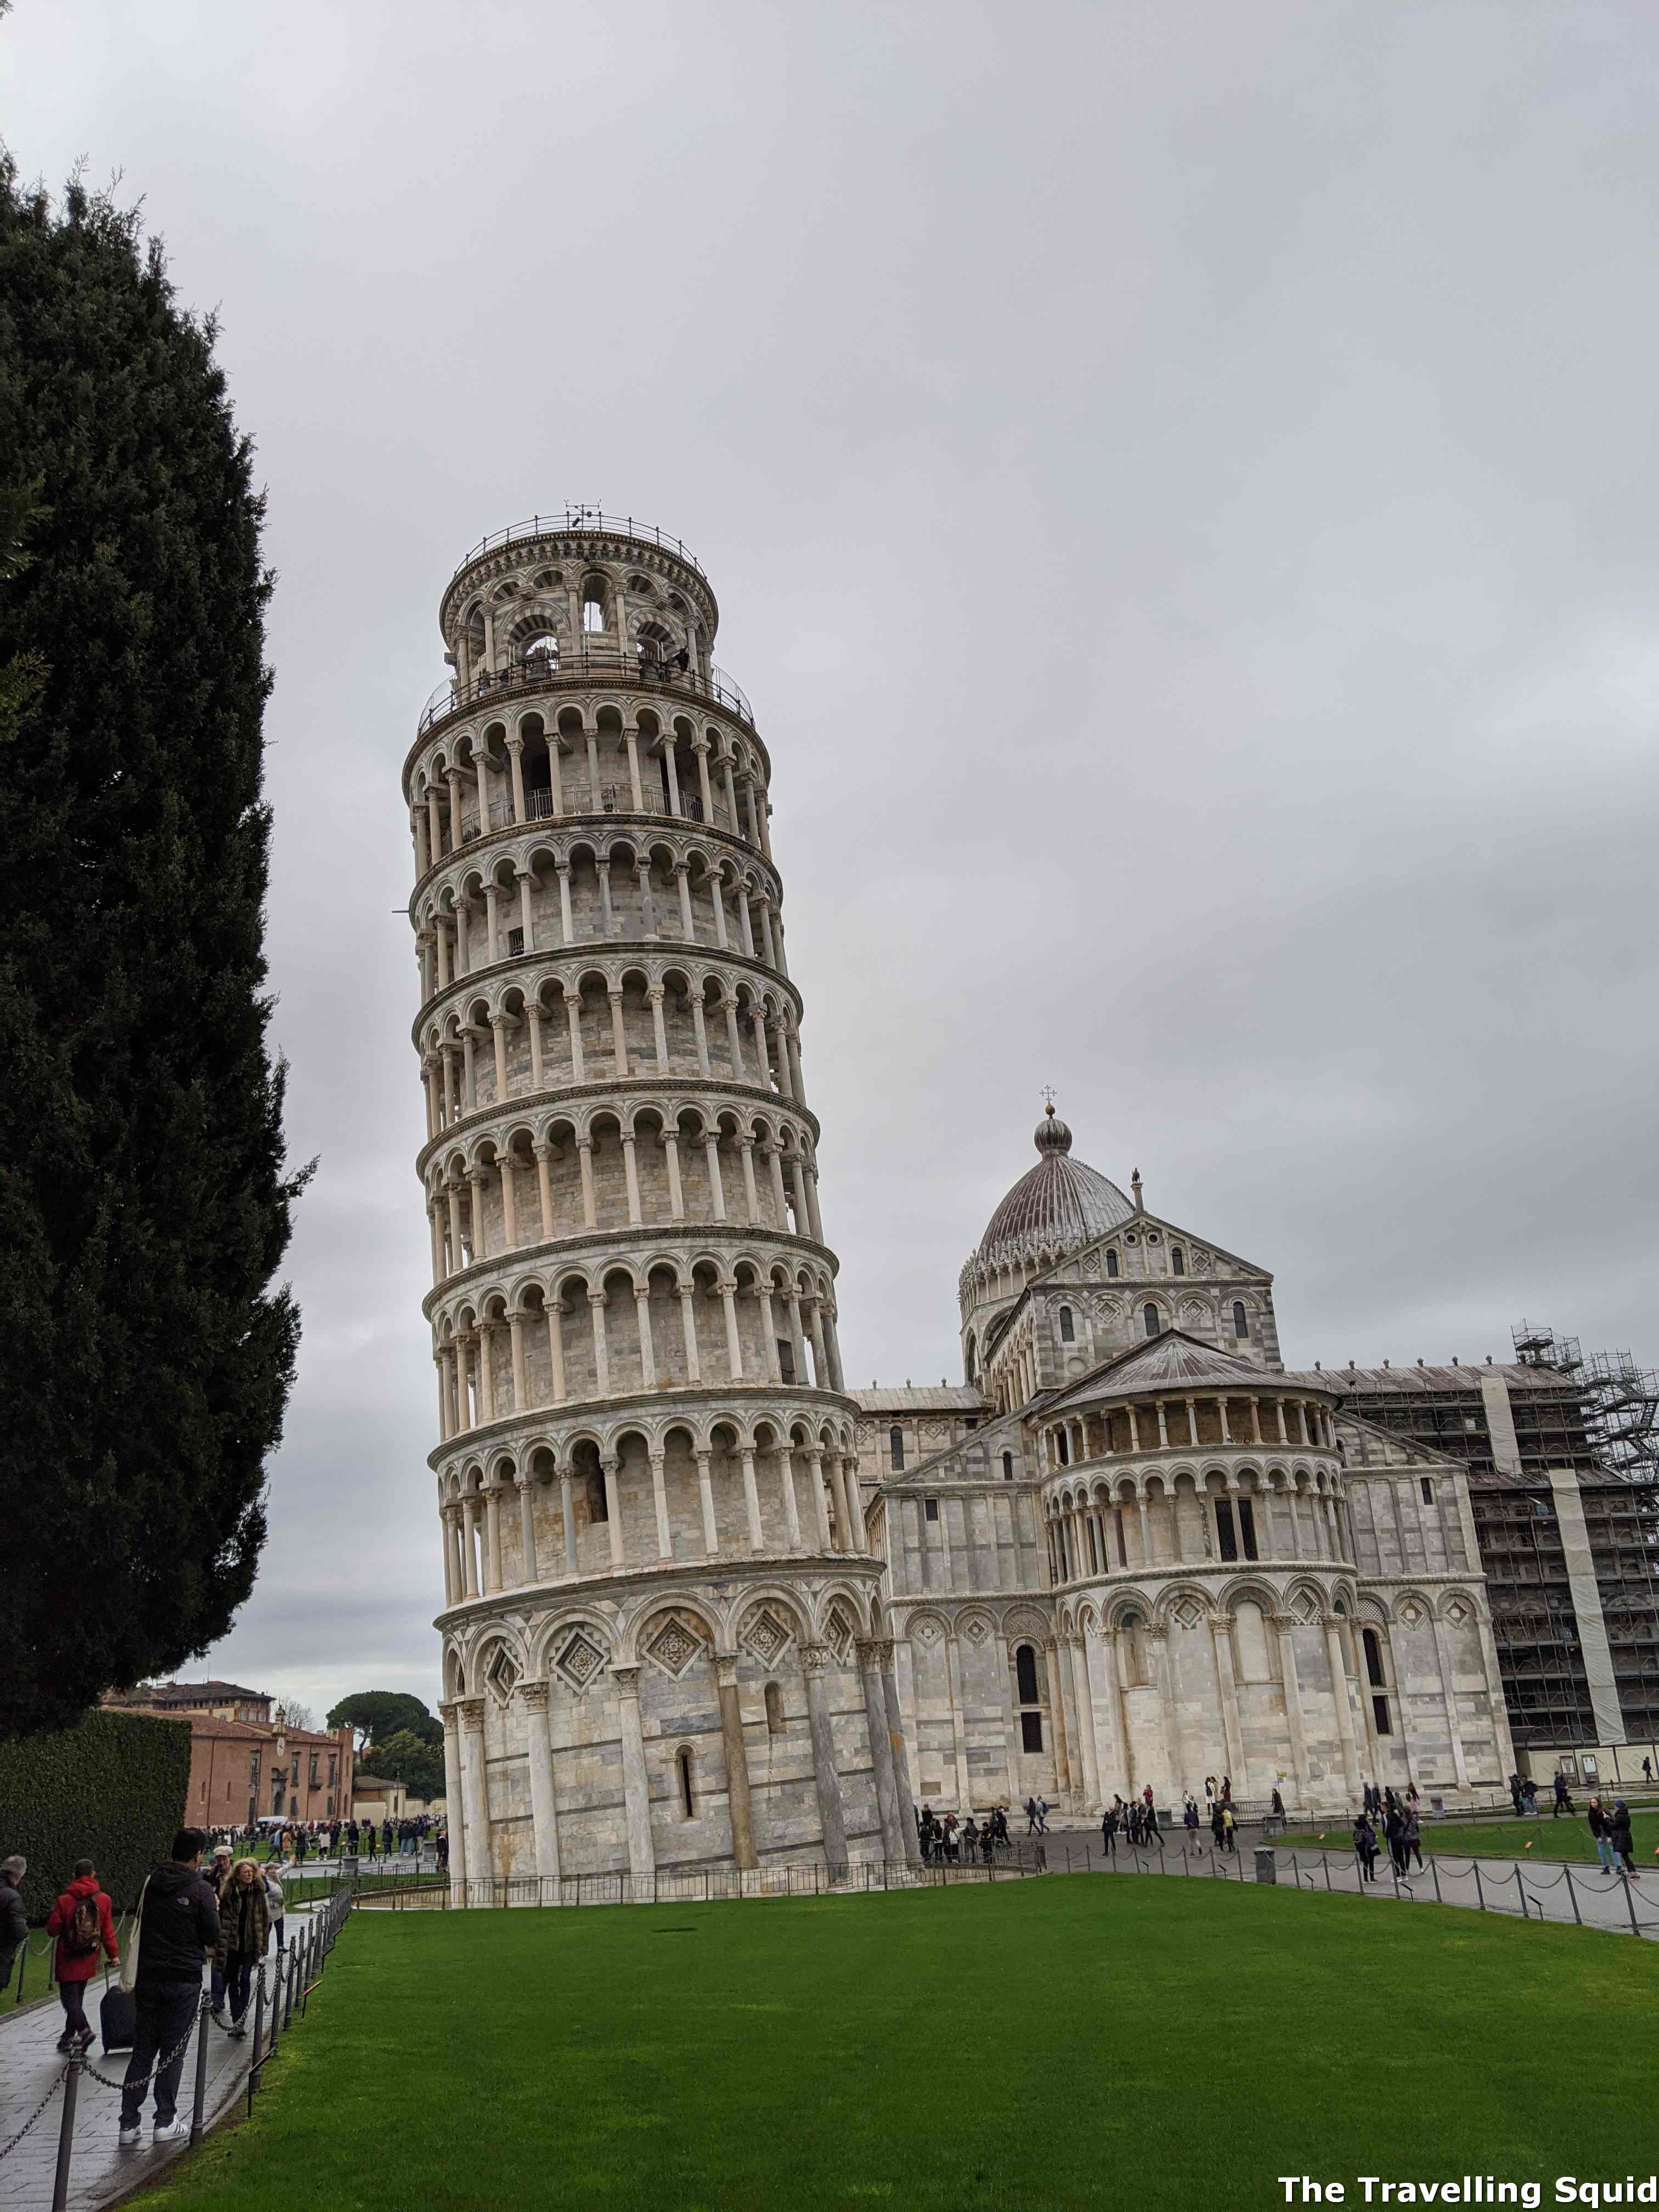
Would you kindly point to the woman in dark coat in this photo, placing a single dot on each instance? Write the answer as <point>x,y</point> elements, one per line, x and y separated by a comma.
<point>244,1931</point>
<point>1619,1833</point>
<point>1365,1845</point>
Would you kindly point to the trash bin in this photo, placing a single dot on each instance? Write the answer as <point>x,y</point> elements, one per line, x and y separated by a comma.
<point>1267,1865</point>
<point>1437,1807</point>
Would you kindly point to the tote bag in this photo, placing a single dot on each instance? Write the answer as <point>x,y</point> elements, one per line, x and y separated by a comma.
<point>130,1962</point>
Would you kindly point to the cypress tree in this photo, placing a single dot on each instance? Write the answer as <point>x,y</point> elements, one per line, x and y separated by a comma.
<point>144,1204</point>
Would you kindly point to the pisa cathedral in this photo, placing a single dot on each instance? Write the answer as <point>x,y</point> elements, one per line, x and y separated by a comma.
<point>704,1606</point>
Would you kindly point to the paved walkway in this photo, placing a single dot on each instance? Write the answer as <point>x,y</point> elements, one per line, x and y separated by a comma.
<point>30,2069</point>
<point>1571,1893</point>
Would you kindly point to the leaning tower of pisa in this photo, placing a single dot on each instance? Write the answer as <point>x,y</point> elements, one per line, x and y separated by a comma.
<point>662,1632</point>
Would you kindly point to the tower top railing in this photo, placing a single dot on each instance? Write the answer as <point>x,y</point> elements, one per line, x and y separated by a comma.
<point>587,664</point>
<point>572,521</point>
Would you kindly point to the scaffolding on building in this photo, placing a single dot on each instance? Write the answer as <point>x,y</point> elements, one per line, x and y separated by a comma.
<point>1619,1400</point>
<point>1603,1422</point>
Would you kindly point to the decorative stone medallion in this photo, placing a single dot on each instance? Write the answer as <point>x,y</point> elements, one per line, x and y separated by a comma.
<point>765,1635</point>
<point>673,1647</point>
<point>580,1661</point>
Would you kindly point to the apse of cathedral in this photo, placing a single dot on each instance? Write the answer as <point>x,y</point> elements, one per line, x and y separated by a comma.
<point>1132,1549</point>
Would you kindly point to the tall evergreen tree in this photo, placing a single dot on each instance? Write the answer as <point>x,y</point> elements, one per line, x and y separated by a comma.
<point>145,1360</point>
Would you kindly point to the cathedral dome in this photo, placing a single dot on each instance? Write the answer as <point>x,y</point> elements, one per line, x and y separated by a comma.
<point>1058,1205</point>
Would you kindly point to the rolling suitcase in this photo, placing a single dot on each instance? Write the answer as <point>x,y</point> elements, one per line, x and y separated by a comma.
<point>117,2017</point>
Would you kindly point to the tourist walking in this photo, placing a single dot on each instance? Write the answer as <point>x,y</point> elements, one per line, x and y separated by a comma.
<point>1596,1820</point>
<point>1218,1826</point>
<point>1365,1845</point>
<point>1229,1826</point>
<point>14,1919</point>
<point>1030,1816</point>
<point>1109,1830</point>
<point>1619,1833</point>
<point>1563,1802</point>
<point>1411,1839</point>
<point>275,1903</point>
<point>1279,1803</point>
<point>1189,1811</point>
<point>178,1925</point>
<point>84,1921</point>
<point>244,1931</point>
<point>1042,1816</point>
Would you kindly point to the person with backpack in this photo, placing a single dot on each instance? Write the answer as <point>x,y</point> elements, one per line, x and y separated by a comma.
<point>178,1923</point>
<point>84,1921</point>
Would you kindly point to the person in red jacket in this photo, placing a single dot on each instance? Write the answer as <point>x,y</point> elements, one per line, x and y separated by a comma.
<point>84,1924</point>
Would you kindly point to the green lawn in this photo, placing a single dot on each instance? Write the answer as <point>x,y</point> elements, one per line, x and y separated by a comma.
<point>1043,2043</point>
<point>1566,1838</point>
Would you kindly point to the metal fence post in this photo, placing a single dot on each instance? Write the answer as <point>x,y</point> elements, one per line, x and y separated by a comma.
<point>259,2027</point>
<point>1434,1869</point>
<point>1635,1925</point>
<point>1480,1893</point>
<point>277,1978</point>
<point>293,1974</point>
<point>1572,1899</point>
<point>66,2135</point>
<point>198,2101</point>
<point>1521,1893</point>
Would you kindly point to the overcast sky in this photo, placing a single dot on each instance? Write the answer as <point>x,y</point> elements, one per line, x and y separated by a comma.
<point>1180,484</point>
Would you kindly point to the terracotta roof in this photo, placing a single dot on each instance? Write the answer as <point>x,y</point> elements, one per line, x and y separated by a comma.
<point>1059,1204</point>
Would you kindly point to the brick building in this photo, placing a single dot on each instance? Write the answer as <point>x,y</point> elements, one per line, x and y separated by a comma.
<point>244,1771</point>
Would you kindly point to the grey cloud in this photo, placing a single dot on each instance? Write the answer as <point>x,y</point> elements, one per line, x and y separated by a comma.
<point>1179,482</point>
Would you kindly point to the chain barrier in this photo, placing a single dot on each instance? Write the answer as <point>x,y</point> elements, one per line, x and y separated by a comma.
<point>12,2142</point>
<point>322,1931</point>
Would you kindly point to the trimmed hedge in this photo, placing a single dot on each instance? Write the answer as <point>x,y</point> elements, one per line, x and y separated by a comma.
<point>111,1789</point>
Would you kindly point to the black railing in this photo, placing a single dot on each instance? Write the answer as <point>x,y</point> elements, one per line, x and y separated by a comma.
<point>576,522</point>
<point>294,1972</point>
<point>591,662</point>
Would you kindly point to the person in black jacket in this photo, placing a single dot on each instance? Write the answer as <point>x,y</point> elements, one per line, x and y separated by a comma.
<point>14,1920</point>
<point>178,1926</point>
<point>1619,1833</point>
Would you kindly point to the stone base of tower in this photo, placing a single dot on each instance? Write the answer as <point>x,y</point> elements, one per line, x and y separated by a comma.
<point>733,1724</point>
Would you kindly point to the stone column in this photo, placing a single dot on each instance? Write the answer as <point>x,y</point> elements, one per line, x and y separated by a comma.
<point>613,1509</point>
<point>785,1455</point>
<point>1084,1694</point>
<point>889,1697</point>
<point>736,1762</point>
<point>751,1499</point>
<point>1057,1712</point>
<point>814,1660</point>
<point>893,1842</point>
<point>636,1785</point>
<point>1157,1640</point>
<point>1227,1684</point>
<point>492,1536</point>
<point>659,1497</point>
<point>1120,1711</point>
<point>568,1512</point>
<point>958,1741</point>
<point>527,1528</point>
<point>820,1502</point>
<point>474,1789</point>
<point>1449,1695</point>
<point>706,1492</point>
<point>1298,1778</point>
<point>543,1817</point>
<point>454,1799</point>
<point>1340,1694</point>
